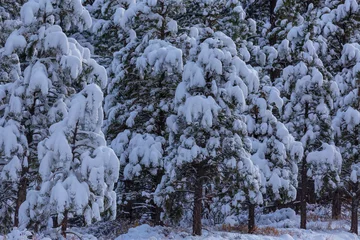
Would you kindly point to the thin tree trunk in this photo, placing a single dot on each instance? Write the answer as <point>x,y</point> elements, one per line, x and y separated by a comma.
<point>336,205</point>
<point>274,72</point>
<point>354,210</point>
<point>21,194</point>
<point>354,215</point>
<point>158,210</point>
<point>251,220</point>
<point>303,194</point>
<point>157,216</point>
<point>197,204</point>
<point>64,224</point>
<point>272,20</point>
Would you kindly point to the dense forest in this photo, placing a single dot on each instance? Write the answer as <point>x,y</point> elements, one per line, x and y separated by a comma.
<point>173,112</point>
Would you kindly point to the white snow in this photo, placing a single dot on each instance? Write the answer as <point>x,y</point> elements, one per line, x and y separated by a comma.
<point>145,232</point>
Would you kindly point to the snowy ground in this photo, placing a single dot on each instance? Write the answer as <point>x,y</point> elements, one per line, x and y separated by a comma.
<point>280,225</point>
<point>145,232</point>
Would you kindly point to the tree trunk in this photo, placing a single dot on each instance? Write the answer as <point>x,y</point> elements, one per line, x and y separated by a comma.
<point>336,205</point>
<point>21,194</point>
<point>274,72</point>
<point>303,194</point>
<point>251,220</point>
<point>157,216</point>
<point>272,12</point>
<point>272,39</point>
<point>354,215</point>
<point>64,224</point>
<point>354,210</point>
<point>197,204</point>
<point>158,210</point>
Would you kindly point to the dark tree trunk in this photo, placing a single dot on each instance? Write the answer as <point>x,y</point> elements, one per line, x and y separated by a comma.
<point>272,12</point>
<point>251,220</point>
<point>64,224</point>
<point>354,215</point>
<point>197,204</point>
<point>274,73</point>
<point>354,210</point>
<point>336,205</point>
<point>157,216</point>
<point>21,194</point>
<point>272,38</point>
<point>303,194</point>
<point>158,210</point>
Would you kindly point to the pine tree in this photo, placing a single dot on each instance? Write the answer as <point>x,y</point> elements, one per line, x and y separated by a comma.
<point>340,27</point>
<point>346,124</point>
<point>274,151</point>
<point>309,97</point>
<point>144,74</point>
<point>77,169</point>
<point>106,36</point>
<point>208,141</point>
<point>7,22</point>
<point>11,8</point>
<point>55,67</point>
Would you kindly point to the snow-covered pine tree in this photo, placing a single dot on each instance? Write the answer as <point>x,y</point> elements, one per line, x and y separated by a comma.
<point>309,95</point>
<point>55,68</point>
<point>230,17</point>
<point>12,142</point>
<point>339,21</point>
<point>227,16</point>
<point>70,15</point>
<point>347,126</point>
<point>10,136</point>
<point>12,8</point>
<point>340,26</point>
<point>77,169</point>
<point>274,149</point>
<point>105,35</point>
<point>7,22</point>
<point>145,73</point>
<point>208,141</point>
<point>274,19</point>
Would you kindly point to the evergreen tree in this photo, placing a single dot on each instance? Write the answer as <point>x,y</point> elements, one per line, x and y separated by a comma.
<point>309,98</point>
<point>274,151</point>
<point>77,169</point>
<point>347,126</point>
<point>106,36</point>
<point>208,141</point>
<point>7,23</point>
<point>340,26</point>
<point>55,67</point>
<point>145,73</point>
<point>11,8</point>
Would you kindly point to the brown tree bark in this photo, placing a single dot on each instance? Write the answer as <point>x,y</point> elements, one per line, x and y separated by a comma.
<point>197,204</point>
<point>354,210</point>
<point>64,224</point>
<point>303,194</point>
<point>21,194</point>
<point>272,19</point>
<point>251,220</point>
<point>336,205</point>
<point>157,216</point>
<point>274,73</point>
<point>354,215</point>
